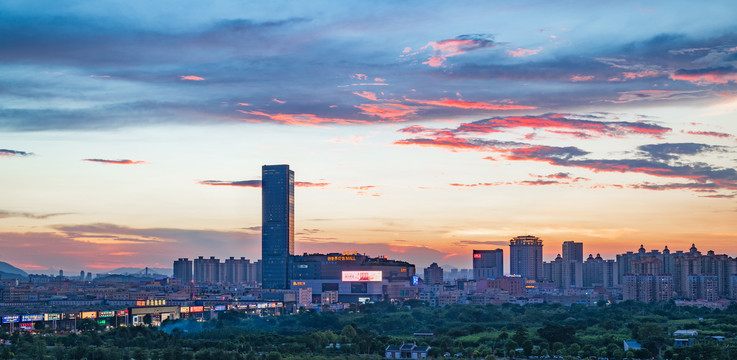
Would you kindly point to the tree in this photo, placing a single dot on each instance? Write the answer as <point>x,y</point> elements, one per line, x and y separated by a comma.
<point>557,333</point>
<point>520,335</point>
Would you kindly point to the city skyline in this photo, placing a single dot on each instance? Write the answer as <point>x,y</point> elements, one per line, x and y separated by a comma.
<point>131,134</point>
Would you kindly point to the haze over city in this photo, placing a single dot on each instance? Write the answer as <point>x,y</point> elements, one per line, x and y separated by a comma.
<point>134,133</point>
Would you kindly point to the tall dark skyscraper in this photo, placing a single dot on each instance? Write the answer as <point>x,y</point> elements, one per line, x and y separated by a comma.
<point>277,225</point>
<point>572,251</point>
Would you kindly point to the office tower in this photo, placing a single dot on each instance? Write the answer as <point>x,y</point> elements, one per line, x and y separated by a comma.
<point>277,221</point>
<point>183,270</point>
<point>206,271</point>
<point>433,274</point>
<point>488,264</point>
<point>572,251</point>
<point>526,257</point>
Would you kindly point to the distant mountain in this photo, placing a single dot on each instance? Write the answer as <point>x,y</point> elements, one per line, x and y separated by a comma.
<point>130,270</point>
<point>8,271</point>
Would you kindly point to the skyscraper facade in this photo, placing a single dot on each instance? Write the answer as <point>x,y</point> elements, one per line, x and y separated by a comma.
<point>433,274</point>
<point>488,264</point>
<point>526,257</point>
<point>277,225</point>
<point>572,251</point>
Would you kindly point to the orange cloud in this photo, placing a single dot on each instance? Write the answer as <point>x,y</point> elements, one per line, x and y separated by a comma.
<point>366,95</point>
<point>191,78</point>
<point>302,119</point>
<point>278,101</point>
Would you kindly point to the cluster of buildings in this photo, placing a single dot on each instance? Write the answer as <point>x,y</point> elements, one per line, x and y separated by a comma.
<point>333,280</point>
<point>691,278</point>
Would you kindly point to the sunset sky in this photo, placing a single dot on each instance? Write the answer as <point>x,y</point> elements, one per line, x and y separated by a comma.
<point>133,133</point>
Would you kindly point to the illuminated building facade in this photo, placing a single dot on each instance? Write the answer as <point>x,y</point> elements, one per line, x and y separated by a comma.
<point>277,231</point>
<point>355,277</point>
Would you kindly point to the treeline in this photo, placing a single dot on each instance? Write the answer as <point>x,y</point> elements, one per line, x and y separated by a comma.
<point>466,331</point>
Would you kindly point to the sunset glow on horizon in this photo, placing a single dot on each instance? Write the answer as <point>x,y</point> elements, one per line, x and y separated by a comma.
<point>133,133</point>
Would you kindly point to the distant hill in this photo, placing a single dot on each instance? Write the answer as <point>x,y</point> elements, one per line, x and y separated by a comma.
<point>130,270</point>
<point>8,271</point>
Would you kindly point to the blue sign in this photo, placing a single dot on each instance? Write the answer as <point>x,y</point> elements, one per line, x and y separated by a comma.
<point>415,280</point>
<point>11,319</point>
<point>219,307</point>
<point>29,318</point>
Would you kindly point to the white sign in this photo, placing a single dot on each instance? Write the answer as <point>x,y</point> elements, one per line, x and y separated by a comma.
<point>361,276</point>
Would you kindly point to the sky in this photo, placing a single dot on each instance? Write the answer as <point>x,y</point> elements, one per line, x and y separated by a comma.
<point>133,133</point>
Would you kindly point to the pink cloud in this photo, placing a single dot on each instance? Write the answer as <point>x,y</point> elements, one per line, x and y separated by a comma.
<point>709,133</point>
<point>360,76</point>
<point>119,162</point>
<point>190,77</point>
<point>578,78</point>
<point>394,112</point>
<point>454,47</point>
<point>521,52</point>
<point>470,105</point>
<point>278,101</point>
<point>244,104</point>
<point>257,183</point>
<point>640,74</point>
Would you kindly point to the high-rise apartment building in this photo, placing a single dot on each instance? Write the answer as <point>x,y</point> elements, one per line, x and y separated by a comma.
<point>433,274</point>
<point>488,264</point>
<point>572,251</point>
<point>236,270</point>
<point>183,270</point>
<point>526,257</point>
<point>277,221</point>
<point>206,271</point>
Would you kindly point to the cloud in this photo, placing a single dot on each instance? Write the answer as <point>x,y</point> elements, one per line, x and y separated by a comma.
<point>19,214</point>
<point>278,101</point>
<point>389,111</point>
<point>581,125</point>
<point>257,183</point>
<point>579,78</point>
<point>469,104</point>
<point>119,162</point>
<point>707,76</point>
<point>655,160</point>
<point>710,133</point>
<point>366,95</point>
<point>301,119</point>
<point>191,77</point>
<point>657,95</point>
<point>673,151</point>
<point>521,52</point>
<point>453,47</point>
<point>9,153</point>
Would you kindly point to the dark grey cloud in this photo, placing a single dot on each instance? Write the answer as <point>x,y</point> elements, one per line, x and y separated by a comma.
<point>29,215</point>
<point>673,151</point>
<point>8,152</point>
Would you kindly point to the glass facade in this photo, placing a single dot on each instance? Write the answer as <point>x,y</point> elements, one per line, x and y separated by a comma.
<point>277,232</point>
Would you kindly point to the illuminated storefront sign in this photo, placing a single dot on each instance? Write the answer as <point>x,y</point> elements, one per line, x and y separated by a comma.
<point>106,314</point>
<point>196,309</point>
<point>26,326</point>
<point>341,258</point>
<point>50,317</point>
<point>219,307</point>
<point>298,283</point>
<point>184,309</point>
<point>151,302</point>
<point>88,314</point>
<point>415,280</point>
<point>477,256</point>
<point>11,319</point>
<point>361,276</point>
<point>29,318</point>
<point>122,312</point>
